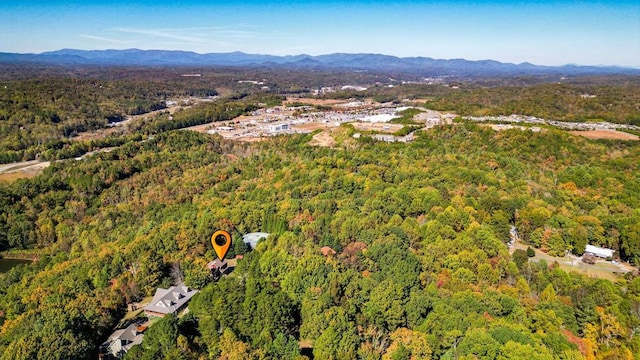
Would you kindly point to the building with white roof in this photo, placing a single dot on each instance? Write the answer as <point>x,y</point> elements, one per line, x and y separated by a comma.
<point>599,251</point>
<point>253,238</point>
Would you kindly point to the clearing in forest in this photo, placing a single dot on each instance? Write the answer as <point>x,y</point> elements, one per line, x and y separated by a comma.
<point>312,101</point>
<point>379,127</point>
<point>323,139</point>
<point>601,269</point>
<point>606,134</point>
<point>22,170</point>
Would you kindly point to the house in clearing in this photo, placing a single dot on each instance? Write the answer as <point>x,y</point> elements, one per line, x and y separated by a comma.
<point>169,301</point>
<point>599,251</point>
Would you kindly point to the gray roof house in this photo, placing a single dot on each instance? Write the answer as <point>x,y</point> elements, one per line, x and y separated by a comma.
<point>121,341</point>
<point>169,301</point>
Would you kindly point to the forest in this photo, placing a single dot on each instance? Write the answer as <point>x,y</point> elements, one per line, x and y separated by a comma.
<point>421,271</point>
<point>422,268</point>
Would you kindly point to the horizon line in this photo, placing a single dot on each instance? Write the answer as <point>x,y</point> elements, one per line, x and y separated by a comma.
<point>45,53</point>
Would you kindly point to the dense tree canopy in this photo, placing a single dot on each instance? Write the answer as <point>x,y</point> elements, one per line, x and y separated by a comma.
<point>420,270</point>
<point>430,278</point>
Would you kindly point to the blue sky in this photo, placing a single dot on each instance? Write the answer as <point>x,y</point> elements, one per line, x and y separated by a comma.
<point>540,32</point>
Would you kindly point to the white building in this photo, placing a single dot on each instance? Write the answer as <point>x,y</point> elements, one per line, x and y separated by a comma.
<point>253,238</point>
<point>353,87</point>
<point>599,251</point>
<point>278,127</point>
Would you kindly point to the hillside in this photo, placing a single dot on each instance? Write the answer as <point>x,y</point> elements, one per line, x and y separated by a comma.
<point>421,271</point>
<point>423,66</point>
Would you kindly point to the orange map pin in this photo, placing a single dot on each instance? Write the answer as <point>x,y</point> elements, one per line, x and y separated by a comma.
<point>221,241</point>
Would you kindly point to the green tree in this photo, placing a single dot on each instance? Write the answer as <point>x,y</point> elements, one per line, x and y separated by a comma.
<point>520,258</point>
<point>530,252</point>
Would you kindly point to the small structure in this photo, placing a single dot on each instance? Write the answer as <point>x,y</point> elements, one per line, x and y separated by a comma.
<point>121,341</point>
<point>599,251</point>
<point>218,268</point>
<point>169,301</point>
<point>253,238</point>
<point>216,264</point>
<point>589,259</point>
<point>278,127</point>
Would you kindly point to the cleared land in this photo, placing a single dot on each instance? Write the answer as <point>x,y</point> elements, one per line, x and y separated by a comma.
<point>606,134</point>
<point>11,177</point>
<point>378,127</point>
<point>312,101</point>
<point>601,269</point>
<point>311,126</point>
<point>21,170</point>
<point>323,139</point>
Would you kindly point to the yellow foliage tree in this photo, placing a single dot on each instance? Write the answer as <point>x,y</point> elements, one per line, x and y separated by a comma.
<point>413,341</point>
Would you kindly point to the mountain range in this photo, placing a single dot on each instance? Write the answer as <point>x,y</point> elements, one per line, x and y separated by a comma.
<point>424,66</point>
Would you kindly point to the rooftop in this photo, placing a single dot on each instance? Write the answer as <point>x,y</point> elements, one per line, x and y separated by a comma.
<point>169,301</point>
<point>253,238</point>
<point>122,340</point>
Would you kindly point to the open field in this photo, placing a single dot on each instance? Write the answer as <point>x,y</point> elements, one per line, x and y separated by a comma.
<point>601,269</point>
<point>140,308</point>
<point>311,126</point>
<point>13,176</point>
<point>200,128</point>
<point>379,127</point>
<point>323,139</point>
<point>606,134</point>
<point>420,100</point>
<point>22,170</point>
<point>312,101</point>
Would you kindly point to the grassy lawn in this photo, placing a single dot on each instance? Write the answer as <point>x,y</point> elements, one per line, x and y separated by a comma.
<point>142,303</point>
<point>601,269</point>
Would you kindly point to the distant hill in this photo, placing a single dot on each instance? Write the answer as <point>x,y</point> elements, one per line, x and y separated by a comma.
<point>366,62</point>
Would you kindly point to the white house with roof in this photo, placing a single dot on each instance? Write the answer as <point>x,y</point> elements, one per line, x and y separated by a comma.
<point>169,301</point>
<point>122,340</point>
<point>599,251</point>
